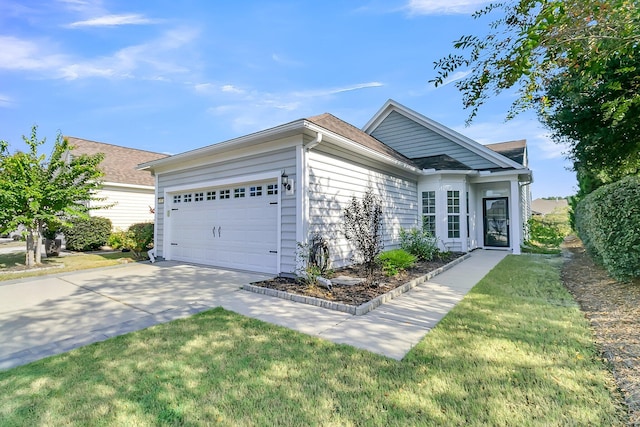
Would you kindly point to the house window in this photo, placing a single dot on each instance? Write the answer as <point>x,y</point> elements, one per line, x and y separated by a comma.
<point>211,195</point>
<point>177,198</point>
<point>453,226</point>
<point>429,211</point>
<point>255,191</point>
<point>225,194</point>
<point>453,209</point>
<point>272,189</point>
<point>238,193</point>
<point>198,197</point>
<point>187,198</point>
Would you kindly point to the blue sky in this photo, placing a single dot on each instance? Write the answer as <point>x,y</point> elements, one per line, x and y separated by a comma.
<point>170,76</point>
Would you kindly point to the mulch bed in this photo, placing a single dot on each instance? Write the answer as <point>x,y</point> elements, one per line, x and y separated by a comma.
<point>613,309</point>
<point>360,293</point>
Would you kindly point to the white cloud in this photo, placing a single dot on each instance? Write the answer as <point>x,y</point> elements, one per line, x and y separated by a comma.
<point>444,7</point>
<point>231,89</point>
<point>458,75</point>
<point>334,91</point>
<point>283,60</point>
<point>5,101</point>
<point>28,55</point>
<point>252,110</point>
<point>113,21</point>
<point>152,60</point>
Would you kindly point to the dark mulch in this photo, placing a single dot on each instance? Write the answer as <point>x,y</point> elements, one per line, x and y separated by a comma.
<point>360,293</point>
<point>613,309</point>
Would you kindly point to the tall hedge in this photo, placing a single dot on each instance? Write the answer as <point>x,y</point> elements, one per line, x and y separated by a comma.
<point>87,234</point>
<point>608,222</point>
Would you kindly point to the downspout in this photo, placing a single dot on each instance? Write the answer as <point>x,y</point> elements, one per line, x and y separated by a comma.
<point>315,142</point>
<point>303,194</point>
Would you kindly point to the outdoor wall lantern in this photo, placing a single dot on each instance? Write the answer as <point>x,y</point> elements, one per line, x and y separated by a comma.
<point>287,184</point>
<point>160,200</point>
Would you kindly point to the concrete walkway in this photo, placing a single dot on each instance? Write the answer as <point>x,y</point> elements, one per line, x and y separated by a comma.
<point>54,314</point>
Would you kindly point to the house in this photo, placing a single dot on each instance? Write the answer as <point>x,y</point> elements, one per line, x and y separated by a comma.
<point>246,203</point>
<point>544,207</point>
<point>129,192</point>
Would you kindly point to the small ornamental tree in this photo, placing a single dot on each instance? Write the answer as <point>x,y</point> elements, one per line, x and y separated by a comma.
<point>36,192</point>
<point>363,227</point>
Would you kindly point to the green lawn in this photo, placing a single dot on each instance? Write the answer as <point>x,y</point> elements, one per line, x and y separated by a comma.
<point>79,261</point>
<point>516,351</point>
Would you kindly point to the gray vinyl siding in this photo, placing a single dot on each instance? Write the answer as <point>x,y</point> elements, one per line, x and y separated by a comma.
<point>415,141</point>
<point>284,159</point>
<point>334,179</point>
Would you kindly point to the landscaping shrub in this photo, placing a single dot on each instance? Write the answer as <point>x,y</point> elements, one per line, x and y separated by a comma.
<point>116,239</point>
<point>363,227</point>
<point>608,222</point>
<point>548,230</point>
<point>419,242</point>
<point>395,261</point>
<point>87,234</point>
<point>139,238</point>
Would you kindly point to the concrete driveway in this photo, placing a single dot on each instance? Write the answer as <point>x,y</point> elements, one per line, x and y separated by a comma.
<point>53,314</point>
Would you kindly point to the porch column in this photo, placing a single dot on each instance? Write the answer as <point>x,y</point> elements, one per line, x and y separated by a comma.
<point>515,217</point>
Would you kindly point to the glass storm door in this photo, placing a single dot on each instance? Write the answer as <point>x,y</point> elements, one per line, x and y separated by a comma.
<point>496,222</point>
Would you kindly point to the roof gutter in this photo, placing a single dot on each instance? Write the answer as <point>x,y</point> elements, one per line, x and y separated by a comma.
<point>315,142</point>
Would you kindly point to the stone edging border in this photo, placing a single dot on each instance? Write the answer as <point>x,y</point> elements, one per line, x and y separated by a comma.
<point>351,309</point>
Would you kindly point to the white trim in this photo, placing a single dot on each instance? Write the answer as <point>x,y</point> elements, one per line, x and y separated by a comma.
<point>440,129</point>
<point>133,186</point>
<point>226,181</point>
<point>302,186</point>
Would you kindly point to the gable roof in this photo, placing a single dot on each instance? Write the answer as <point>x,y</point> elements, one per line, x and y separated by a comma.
<point>120,163</point>
<point>515,150</point>
<point>336,125</point>
<point>392,106</point>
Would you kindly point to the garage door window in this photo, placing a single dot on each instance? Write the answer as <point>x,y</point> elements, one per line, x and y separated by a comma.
<point>177,198</point>
<point>255,191</point>
<point>187,198</point>
<point>225,194</point>
<point>272,189</point>
<point>211,195</point>
<point>238,193</point>
<point>198,197</point>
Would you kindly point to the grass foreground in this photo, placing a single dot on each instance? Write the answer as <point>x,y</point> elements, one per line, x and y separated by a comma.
<point>515,351</point>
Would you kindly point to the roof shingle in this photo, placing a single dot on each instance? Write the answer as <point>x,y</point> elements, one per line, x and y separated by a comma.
<point>119,164</point>
<point>336,125</point>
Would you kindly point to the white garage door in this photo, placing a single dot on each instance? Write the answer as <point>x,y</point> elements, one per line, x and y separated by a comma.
<point>233,226</point>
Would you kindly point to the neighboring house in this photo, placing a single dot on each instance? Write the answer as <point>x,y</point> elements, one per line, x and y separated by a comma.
<point>129,191</point>
<point>544,206</point>
<point>246,203</point>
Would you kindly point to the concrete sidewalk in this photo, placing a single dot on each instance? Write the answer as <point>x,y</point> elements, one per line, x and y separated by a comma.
<point>52,315</point>
<point>391,329</point>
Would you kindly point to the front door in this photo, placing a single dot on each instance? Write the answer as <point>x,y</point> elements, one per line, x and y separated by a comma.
<point>496,222</point>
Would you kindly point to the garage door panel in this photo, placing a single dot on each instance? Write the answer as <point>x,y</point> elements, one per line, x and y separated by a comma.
<point>236,232</point>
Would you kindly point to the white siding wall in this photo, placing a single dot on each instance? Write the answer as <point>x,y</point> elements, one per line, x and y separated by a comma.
<point>283,159</point>
<point>334,180</point>
<point>415,141</point>
<point>130,205</point>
